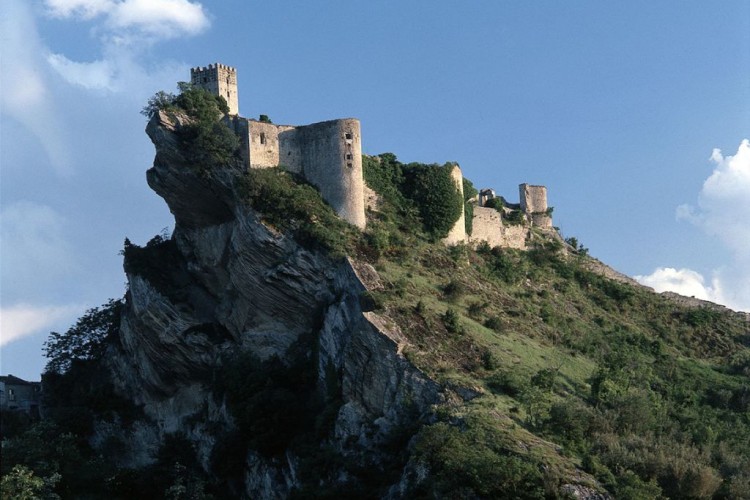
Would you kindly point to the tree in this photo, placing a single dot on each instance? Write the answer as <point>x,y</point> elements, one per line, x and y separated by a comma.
<point>22,484</point>
<point>160,100</point>
<point>86,340</point>
<point>436,195</point>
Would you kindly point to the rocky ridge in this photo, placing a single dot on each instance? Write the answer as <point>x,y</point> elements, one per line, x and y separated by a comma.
<point>238,285</point>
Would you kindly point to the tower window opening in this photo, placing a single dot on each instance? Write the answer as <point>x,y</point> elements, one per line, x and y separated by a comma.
<point>349,156</point>
<point>349,165</point>
<point>348,136</point>
<point>262,138</point>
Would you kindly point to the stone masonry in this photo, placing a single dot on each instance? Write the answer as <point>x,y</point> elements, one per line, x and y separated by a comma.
<point>329,155</point>
<point>219,79</point>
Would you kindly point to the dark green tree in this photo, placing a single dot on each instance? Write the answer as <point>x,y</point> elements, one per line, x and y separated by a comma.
<point>86,340</point>
<point>436,195</point>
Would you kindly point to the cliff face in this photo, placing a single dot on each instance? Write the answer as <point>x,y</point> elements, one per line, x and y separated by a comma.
<point>228,285</point>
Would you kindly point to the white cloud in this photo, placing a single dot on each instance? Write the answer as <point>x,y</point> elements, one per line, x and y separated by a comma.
<point>124,29</point>
<point>159,19</point>
<point>25,95</point>
<point>683,281</point>
<point>722,212</point>
<point>22,320</point>
<point>93,75</point>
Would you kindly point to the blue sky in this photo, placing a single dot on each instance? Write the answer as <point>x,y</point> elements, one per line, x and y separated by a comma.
<point>633,114</point>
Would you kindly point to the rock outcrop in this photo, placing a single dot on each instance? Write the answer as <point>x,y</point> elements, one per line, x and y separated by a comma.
<point>234,285</point>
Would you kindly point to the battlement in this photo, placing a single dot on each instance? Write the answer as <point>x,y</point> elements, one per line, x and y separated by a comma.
<point>219,79</point>
<point>212,67</point>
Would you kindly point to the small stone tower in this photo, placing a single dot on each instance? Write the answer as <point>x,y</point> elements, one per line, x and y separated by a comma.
<point>534,204</point>
<point>219,79</point>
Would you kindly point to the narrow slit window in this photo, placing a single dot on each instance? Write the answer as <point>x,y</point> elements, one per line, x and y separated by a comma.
<point>262,138</point>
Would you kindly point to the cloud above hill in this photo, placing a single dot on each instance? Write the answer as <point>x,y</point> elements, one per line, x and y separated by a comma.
<point>123,29</point>
<point>159,19</point>
<point>722,212</point>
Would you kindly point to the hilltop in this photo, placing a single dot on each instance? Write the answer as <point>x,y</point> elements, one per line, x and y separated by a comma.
<point>270,349</point>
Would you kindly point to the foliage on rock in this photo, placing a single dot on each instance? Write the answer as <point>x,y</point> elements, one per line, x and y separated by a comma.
<point>208,142</point>
<point>84,341</point>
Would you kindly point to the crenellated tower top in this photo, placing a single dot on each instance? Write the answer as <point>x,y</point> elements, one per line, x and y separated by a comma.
<point>219,79</point>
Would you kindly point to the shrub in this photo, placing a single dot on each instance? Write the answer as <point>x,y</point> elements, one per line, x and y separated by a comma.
<point>494,323</point>
<point>469,190</point>
<point>514,217</point>
<point>436,196</point>
<point>468,217</point>
<point>507,382</point>
<point>489,361</point>
<point>452,322</point>
<point>454,289</point>
<point>290,204</point>
<point>496,203</point>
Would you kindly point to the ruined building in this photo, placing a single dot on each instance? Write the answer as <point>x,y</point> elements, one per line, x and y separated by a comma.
<point>329,155</point>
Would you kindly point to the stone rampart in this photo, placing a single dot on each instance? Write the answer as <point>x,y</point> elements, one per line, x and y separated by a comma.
<point>265,144</point>
<point>488,226</point>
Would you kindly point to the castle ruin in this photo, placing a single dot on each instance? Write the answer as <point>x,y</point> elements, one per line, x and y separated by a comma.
<point>329,155</point>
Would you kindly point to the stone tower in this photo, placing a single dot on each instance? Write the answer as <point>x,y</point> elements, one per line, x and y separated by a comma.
<point>219,79</point>
<point>534,204</point>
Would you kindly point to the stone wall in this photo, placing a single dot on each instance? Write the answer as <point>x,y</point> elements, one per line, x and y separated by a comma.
<point>533,198</point>
<point>327,154</point>
<point>264,141</point>
<point>457,234</point>
<point>488,226</point>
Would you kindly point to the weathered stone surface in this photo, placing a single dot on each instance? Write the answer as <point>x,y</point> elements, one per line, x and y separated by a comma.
<point>242,286</point>
<point>194,200</point>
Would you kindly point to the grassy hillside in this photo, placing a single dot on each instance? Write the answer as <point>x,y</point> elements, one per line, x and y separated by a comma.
<point>550,369</point>
<point>560,367</point>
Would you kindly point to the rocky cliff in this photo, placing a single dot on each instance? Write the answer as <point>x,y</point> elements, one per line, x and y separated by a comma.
<point>226,285</point>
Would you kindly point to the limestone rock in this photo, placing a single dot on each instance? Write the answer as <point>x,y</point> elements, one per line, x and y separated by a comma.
<point>236,285</point>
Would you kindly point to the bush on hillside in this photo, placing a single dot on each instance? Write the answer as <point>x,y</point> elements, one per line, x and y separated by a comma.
<point>433,190</point>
